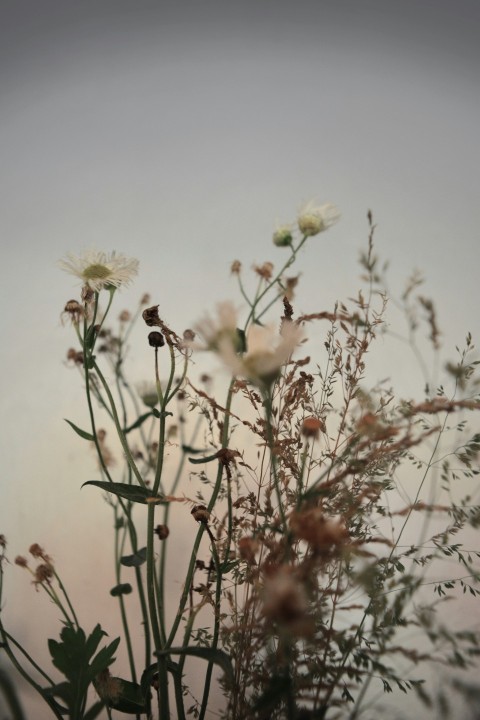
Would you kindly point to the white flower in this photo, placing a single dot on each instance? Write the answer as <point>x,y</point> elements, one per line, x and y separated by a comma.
<point>222,328</point>
<point>313,219</point>
<point>98,270</point>
<point>267,352</point>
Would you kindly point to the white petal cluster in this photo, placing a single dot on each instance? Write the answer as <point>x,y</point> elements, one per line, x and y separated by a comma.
<point>313,218</point>
<point>99,270</point>
<point>215,331</point>
<point>267,352</point>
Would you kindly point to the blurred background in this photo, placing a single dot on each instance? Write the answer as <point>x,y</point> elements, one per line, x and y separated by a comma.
<point>180,133</point>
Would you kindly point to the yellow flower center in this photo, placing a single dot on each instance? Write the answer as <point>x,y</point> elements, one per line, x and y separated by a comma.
<point>96,272</point>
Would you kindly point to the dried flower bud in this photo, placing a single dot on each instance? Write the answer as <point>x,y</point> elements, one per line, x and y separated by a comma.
<point>205,378</point>
<point>145,299</point>
<point>21,561</point>
<point>265,271</point>
<point>43,573</point>
<point>75,356</point>
<point>73,311</point>
<point>201,514</point>
<point>151,317</point>
<point>87,294</point>
<point>124,316</point>
<point>156,339</point>
<point>236,267</point>
<point>36,551</point>
<point>247,547</point>
<point>312,426</point>
<point>162,532</point>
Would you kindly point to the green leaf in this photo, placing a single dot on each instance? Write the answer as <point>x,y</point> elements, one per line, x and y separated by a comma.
<point>94,711</point>
<point>138,422</point>
<point>121,589</point>
<point>103,659</point>
<point>136,559</point>
<point>214,655</point>
<point>133,493</point>
<point>130,700</point>
<point>161,413</point>
<point>79,431</point>
<point>200,461</point>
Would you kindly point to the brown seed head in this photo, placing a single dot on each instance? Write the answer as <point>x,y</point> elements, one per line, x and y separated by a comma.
<point>124,316</point>
<point>145,299</point>
<point>235,267</point>
<point>21,561</point>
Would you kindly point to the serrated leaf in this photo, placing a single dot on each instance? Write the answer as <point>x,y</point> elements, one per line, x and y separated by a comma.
<point>134,493</point>
<point>136,559</point>
<point>83,434</point>
<point>103,659</point>
<point>121,589</point>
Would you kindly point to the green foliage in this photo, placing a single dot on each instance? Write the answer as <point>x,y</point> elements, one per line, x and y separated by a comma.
<point>133,493</point>
<point>77,659</point>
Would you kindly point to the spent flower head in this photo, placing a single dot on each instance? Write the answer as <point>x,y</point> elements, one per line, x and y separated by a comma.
<point>98,270</point>
<point>313,218</point>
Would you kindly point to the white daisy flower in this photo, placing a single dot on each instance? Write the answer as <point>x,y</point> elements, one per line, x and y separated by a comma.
<point>99,270</point>
<point>215,330</point>
<point>267,352</point>
<point>313,218</point>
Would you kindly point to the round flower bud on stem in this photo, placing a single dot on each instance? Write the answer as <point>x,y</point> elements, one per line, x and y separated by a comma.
<point>201,514</point>
<point>162,532</point>
<point>156,339</point>
<point>282,237</point>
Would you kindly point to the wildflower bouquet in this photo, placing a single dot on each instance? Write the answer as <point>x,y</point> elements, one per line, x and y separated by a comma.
<point>308,566</point>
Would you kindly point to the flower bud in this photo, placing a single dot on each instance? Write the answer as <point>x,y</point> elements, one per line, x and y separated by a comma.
<point>162,532</point>
<point>156,339</point>
<point>201,514</point>
<point>282,237</point>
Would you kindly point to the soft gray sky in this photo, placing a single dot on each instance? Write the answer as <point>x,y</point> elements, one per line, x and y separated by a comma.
<point>179,133</point>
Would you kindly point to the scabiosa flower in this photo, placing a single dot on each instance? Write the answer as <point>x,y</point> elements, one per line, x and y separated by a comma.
<point>267,351</point>
<point>98,270</point>
<point>313,218</point>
